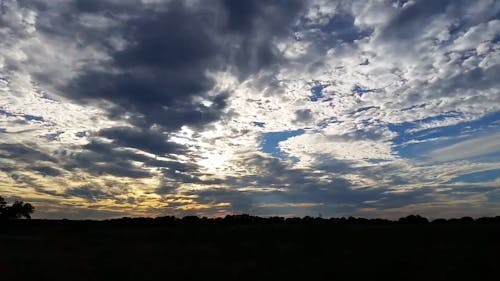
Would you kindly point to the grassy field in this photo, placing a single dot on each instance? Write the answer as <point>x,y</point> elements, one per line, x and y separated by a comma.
<point>87,251</point>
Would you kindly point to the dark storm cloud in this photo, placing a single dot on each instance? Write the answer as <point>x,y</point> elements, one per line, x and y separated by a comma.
<point>159,77</point>
<point>108,158</point>
<point>241,202</point>
<point>93,6</point>
<point>275,183</point>
<point>252,25</point>
<point>330,164</point>
<point>64,22</point>
<point>412,19</point>
<point>280,188</point>
<point>102,158</point>
<point>146,140</point>
<point>292,188</point>
<point>163,67</point>
<point>339,31</point>
<point>476,79</point>
<point>273,173</point>
<point>23,154</point>
<point>245,16</point>
<point>18,159</point>
<point>303,115</point>
<point>46,170</point>
<point>88,192</point>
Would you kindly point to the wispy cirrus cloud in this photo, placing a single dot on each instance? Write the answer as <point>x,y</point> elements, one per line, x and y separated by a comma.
<point>471,148</point>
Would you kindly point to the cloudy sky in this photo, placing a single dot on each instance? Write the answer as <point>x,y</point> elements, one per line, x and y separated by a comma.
<point>292,108</point>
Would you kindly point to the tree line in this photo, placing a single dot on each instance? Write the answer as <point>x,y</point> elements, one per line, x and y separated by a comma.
<point>19,210</point>
<point>245,219</point>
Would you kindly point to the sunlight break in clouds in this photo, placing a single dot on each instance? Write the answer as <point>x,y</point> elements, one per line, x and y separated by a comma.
<point>373,108</point>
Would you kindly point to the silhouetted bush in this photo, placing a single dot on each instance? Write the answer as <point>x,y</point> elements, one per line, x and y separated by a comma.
<point>17,210</point>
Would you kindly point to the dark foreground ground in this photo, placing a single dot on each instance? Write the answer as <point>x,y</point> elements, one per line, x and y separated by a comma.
<point>197,251</point>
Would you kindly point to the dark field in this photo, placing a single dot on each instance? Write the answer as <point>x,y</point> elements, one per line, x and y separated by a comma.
<point>38,250</point>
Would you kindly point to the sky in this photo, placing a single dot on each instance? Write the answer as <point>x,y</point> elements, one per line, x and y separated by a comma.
<point>360,108</point>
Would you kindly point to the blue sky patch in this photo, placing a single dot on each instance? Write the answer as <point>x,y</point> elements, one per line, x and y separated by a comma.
<point>81,134</point>
<point>360,91</point>
<point>317,92</point>
<point>53,136</point>
<point>341,28</point>
<point>488,158</point>
<point>270,142</point>
<point>434,138</point>
<point>365,109</point>
<point>259,124</point>
<point>414,107</point>
<point>34,118</point>
<point>377,161</point>
<point>27,117</point>
<point>6,113</point>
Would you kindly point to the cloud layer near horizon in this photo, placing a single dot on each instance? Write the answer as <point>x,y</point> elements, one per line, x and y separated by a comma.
<point>369,108</point>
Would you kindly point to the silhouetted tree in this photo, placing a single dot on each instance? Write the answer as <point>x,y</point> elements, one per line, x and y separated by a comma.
<point>466,220</point>
<point>191,219</point>
<point>439,221</point>
<point>413,219</point>
<point>18,210</point>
